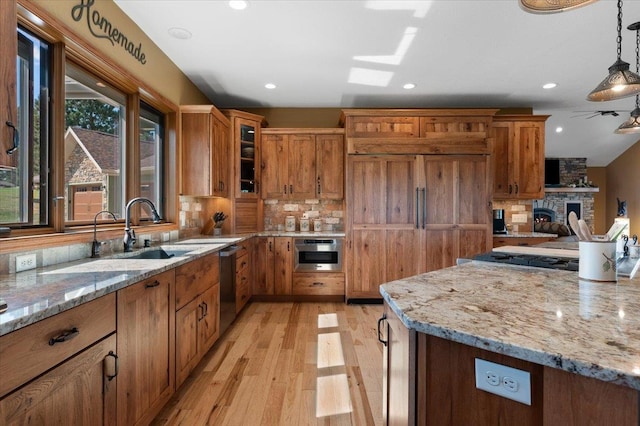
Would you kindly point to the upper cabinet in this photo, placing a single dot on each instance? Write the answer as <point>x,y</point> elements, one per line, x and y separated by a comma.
<point>205,150</point>
<point>518,156</point>
<point>8,102</point>
<point>245,146</point>
<point>302,164</point>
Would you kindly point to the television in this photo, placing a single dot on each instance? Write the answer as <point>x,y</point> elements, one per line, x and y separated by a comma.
<point>552,172</point>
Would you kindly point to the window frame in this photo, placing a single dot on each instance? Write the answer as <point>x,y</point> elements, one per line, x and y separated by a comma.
<point>67,46</point>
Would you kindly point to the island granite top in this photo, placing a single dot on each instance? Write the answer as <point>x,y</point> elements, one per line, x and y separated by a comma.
<point>543,316</point>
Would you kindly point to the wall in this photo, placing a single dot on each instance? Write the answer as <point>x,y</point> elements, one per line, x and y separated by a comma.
<point>299,117</point>
<point>623,181</point>
<point>159,73</point>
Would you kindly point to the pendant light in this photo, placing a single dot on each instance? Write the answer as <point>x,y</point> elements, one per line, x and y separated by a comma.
<point>620,83</point>
<point>632,125</point>
<point>546,6</point>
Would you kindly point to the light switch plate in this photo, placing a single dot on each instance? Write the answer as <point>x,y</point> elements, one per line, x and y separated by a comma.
<point>504,381</point>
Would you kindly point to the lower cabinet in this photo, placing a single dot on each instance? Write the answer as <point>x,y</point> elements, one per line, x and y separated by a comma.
<point>61,370</point>
<point>428,380</point>
<point>77,392</point>
<point>197,329</point>
<point>197,312</point>
<point>146,348</point>
<point>318,284</point>
<point>244,258</point>
<point>273,266</point>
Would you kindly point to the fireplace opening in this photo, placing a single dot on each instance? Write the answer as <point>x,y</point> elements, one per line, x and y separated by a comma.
<point>541,214</point>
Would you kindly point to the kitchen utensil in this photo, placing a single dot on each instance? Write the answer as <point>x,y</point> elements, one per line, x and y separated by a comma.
<point>573,222</point>
<point>584,229</point>
<point>616,229</point>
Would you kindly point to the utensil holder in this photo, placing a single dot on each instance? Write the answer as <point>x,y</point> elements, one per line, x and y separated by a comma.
<point>597,261</point>
<point>217,231</point>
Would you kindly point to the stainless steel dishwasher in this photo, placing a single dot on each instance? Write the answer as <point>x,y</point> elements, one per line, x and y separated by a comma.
<point>227,287</point>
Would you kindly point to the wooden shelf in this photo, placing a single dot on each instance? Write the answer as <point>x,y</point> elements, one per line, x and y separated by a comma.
<point>570,189</point>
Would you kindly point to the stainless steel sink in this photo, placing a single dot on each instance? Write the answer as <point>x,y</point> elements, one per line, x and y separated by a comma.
<point>158,253</point>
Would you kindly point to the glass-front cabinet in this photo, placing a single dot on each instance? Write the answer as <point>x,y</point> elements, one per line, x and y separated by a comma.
<point>247,135</point>
<point>246,153</point>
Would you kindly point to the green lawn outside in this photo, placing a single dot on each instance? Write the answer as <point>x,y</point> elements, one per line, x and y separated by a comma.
<point>9,205</point>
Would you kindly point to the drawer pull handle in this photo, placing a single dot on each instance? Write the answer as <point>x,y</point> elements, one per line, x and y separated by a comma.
<point>66,335</point>
<point>156,283</point>
<point>111,366</point>
<point>318,283</point>
<point>206,309</point>
<point>383,318</point>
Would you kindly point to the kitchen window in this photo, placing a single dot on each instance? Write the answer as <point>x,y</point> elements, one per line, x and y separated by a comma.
<point>94,147</point>
<point>24,176</point>
<point>151,138</point>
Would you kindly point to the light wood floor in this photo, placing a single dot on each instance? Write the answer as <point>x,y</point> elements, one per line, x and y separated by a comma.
<point>288,364</point>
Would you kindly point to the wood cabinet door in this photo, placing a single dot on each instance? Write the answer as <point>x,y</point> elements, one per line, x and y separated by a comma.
<point>503,137</point>
<point>399,372</point>
<point>274,166</point>
<point>366,260</point>
<point>302,167</point>
<point>76,392</point>
<point>456,209</point>
<point>529,160</point>
<point>283,265</point>
<point>220,151</point>
<point>187,339</point>
<point>209,323</point>
<point>263,282</point>
<point>8,100</point>
<point>382,190</point>
<point>247,171</point>
<point>146,348</point>
<point>330,167</point>
<point>196,154</point>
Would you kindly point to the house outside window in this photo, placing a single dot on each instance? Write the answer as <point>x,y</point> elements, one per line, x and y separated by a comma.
<point>94,146</point>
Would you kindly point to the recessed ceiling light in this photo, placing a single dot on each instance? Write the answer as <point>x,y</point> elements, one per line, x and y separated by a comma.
<point>549,86</point>
<point>559,129</point>
<point>409,86</point>
<point>238,4</point>
<point>270,86</point>
<point>179,33</point>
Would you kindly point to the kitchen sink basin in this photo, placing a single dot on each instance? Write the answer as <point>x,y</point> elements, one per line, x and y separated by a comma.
<point>158,253</point>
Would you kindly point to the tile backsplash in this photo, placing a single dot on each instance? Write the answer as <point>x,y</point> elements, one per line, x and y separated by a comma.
<point>331,212</point>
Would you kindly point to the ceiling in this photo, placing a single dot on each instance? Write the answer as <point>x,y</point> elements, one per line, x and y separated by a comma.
<point>359,54</point>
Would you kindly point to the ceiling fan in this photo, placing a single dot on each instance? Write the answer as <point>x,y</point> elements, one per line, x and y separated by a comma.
<point>591,114</point>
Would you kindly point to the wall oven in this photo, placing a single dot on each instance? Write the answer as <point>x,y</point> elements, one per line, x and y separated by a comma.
<point>318,254</point>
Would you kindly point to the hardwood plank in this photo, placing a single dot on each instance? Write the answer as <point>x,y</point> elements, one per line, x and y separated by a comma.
<point>265,370</point>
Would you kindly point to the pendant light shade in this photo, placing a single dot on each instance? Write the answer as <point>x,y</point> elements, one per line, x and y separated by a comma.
<point>632,125</point>
<point>620,83</point>
<point>546,6</point>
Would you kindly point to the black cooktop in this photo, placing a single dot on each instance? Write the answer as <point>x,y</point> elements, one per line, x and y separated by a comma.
<point>565,264</point>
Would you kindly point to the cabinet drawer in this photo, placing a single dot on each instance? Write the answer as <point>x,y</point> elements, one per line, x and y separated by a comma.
<point>320,284</point>
<point>243,248</point>
<point>195,278</point>
<point>243,292</point>
<point>242,262</point>
<point>27,353</point>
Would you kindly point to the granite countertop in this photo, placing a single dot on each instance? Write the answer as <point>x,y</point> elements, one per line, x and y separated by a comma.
<point>544,316</point>
<point>511,234</point>
<point>43,292</point>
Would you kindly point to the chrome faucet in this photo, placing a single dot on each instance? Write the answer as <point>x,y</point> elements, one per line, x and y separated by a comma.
<point>129,234</point>
<point>95,246</point>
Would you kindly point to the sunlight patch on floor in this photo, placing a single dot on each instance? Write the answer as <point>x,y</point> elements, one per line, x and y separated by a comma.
<point>329,350</point>
<point>332,396</point>
<point>327,320</point>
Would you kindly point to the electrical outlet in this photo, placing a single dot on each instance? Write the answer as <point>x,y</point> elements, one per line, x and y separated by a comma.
<point>519,218</point>
<point>25,262</point>
<point>504,381</point>
<point>165,237</point>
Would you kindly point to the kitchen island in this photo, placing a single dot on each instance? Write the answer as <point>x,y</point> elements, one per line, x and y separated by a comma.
<point>579,340</point>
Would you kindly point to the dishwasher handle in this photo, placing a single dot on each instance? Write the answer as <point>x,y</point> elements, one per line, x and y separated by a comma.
<point>229,251</point>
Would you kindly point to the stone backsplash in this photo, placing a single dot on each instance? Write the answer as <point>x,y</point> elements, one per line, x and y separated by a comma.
<point>331,212</point>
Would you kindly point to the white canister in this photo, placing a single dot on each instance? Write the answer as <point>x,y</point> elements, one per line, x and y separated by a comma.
<point>317,225</point>
<point>290,223</point>
<point>304,225</point>
<point>597,261</point>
